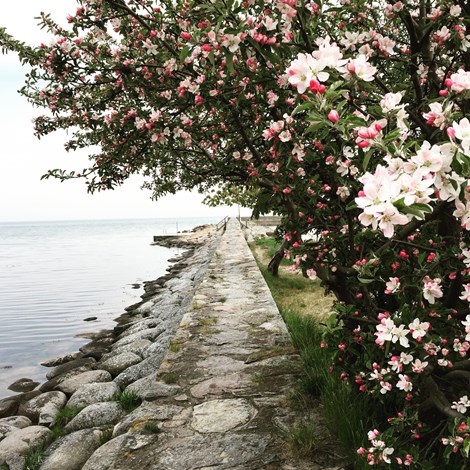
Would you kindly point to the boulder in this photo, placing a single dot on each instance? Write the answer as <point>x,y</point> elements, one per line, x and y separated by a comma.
<point>14,462</point>
<point>72,384</point>
<point>23,385</point>
<point>149,388</point>
<point>138,371</point>
<point>72,451</point>
<point>9,406</point>
<point>109,455</point>
<point>17,421</point>
<point>116,364</point>
<point>84,363</point>
<point>148,412</point>
<point>98,414</point>
<point>57,361</point>
<point>53,383</point>
<point>93,393</point>
<point>137,347</point>
<point>22,440</point>
<point>43,408</point>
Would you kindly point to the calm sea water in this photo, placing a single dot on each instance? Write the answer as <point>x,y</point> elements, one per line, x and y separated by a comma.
<point>53,275</point>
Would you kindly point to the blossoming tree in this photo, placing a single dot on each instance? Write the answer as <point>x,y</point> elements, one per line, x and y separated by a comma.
<point>348,118</point>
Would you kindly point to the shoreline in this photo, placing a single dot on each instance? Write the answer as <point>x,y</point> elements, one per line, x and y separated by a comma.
<point>101,342</point>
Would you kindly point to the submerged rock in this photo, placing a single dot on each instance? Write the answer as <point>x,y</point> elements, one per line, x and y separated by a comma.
<point>23,385</point>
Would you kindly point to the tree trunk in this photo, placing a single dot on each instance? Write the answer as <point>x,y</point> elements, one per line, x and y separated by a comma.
<point>273,266</point>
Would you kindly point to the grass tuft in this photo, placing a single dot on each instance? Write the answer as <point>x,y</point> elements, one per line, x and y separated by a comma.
<point>169,378</point>
<point>129,400</point>
<point>304,440</point>
<point>34,458</point>
<point>152,428</point>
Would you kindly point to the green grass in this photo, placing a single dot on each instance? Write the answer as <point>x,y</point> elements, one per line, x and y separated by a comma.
<point>63,417</point>
<point>347,414</point>
<point>106,436</point>
<point>271,246</point>
<point>305,439</point>
<point>169,378</point>
<point>129,400</point>
<point>174,347</point>
<point>34,458</point>
<point>152,428</point>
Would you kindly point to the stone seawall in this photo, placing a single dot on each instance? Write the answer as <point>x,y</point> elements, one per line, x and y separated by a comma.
<point>220,399</point>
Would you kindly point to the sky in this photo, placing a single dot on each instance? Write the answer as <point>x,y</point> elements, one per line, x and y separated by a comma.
<point>24,158</point>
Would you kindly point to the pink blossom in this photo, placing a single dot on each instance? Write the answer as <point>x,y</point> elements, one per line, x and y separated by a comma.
<point>432,289</point>
<point>465,293</point>
<point>418,367</point>
<point>418,329</point>
<point>392,286</point>
<point>404,383</point>
<point>361,68</point>
<point>459,81</point>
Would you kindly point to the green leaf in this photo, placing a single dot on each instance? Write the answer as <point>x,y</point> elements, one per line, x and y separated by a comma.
<point>315,126</point>
<point>302,107</point>
<point>367,156</point>
<point>466,448</point>
<point>229,63</point>
<point>364,280</point>
<point>184,53</point>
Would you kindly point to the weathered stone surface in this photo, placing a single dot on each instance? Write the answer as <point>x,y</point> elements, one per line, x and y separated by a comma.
<point>21,440</point>
<point>72,451</point>
<point>148,412</point>
<point>217,365</point>
<point>116,452</point>
<point>137,347</point>
<point>12,423</point>
<point>219,385</point>
<point>23,385</point>
<point>116,364</point>
<point>16,421</point>
<point>57,361</point>
<point>149,388</point>
<point>221,415</point>
<point>44,407</point>
<point>93,393</point>
<point>98,414</point>
<point>53,383</point>
<point>246,451</point>
<point>14,461</point>
<point>138,371</point>
<point>84,363</point>
<point>72,384</point>
<point>8,407</point>
<point>6,429</point>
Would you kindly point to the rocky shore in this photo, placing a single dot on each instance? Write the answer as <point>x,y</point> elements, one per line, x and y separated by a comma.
<point>92,382</point>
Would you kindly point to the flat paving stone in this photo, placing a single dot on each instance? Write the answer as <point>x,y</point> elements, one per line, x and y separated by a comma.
<point>222,415</point>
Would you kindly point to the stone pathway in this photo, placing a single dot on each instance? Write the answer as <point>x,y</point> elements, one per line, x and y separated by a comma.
<point>229,373</point>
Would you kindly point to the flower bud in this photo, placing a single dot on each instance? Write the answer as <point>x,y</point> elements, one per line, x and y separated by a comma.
<point>333,116</point>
